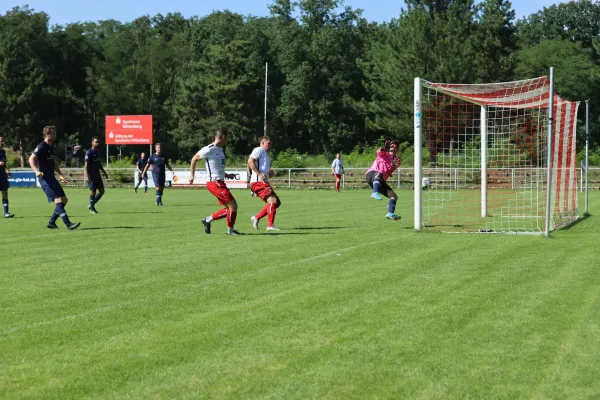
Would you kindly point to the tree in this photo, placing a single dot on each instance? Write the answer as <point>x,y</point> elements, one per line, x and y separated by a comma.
<point>23,77</point>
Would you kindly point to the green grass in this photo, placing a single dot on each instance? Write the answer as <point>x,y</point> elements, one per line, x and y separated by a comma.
<point>342,303</point>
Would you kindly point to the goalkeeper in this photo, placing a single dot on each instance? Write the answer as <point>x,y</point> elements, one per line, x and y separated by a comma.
<point>384,165</point>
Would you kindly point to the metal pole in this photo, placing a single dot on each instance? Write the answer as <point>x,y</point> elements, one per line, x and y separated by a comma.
<point>418,100</point>
<point>483,146</point>
<point>587,151</point>
<point>266,80</point>
<point>549,156</point>
<point>106,156</point>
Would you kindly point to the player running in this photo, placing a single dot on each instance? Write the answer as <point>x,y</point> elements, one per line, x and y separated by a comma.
<point>215,169</point>
<point>259,163</point>
<point>91,172</point>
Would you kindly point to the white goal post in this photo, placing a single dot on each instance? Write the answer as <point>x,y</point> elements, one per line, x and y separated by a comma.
<point>494,158</point>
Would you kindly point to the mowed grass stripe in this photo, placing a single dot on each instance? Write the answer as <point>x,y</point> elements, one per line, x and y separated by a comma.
<point>397,314</point>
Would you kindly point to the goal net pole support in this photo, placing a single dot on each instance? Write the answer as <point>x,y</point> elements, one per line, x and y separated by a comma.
<point>483,152</point>
<point>587,147</point>
<point>549,157</point>
<point>418,101</point>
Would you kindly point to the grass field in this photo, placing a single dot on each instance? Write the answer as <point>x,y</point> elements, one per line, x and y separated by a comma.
<point>140,304</point>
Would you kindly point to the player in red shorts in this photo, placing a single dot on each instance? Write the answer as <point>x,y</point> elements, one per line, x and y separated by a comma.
<point>260,164</point>
<point>215,169</point>
<point>337,169</point>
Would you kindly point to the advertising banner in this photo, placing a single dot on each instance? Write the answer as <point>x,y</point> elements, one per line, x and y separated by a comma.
<point>128,129</point>
<point>22,179</point>
<point>180,179</point>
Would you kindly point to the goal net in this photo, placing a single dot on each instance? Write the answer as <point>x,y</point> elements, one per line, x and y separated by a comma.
<point>481,157</point>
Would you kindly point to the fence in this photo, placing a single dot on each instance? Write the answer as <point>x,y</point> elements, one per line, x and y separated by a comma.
<point>321,178</point>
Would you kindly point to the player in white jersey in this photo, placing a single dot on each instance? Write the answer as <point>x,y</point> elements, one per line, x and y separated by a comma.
<point>260,164</point>
<point>214,157</point>
<point>337,168</point>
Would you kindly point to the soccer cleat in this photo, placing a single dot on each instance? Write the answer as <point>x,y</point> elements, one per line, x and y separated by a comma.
<point>9,215</point>
<point>376,196</point>
<point>233,232</point>
<point>73,225</point>
<point>273,228</point>
<point>52,226</point>
<point>206,226</point>
<point>254,221</point>
<point>135,190</point>
<point>392,216</point>
<point>93,211</point>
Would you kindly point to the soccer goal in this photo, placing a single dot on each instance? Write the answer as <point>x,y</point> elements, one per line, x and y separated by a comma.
<point>484,161</point>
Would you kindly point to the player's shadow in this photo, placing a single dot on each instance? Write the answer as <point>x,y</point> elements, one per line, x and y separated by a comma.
<point>288,233</point>
<point>136,212</point>
<point>311,228</point>
<point>110,227</point>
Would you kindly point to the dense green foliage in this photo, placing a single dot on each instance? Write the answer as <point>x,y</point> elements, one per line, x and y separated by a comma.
<point>336,81</point>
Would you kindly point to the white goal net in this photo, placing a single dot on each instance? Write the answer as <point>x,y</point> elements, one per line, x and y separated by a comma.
<point>481,157</point>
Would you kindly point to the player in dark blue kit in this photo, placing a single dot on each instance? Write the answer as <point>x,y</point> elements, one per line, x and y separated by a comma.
<point>91,172</point>
<point>140,165</point>
<point>43,163</point>
<point>4,175</point>
<point>158,162</point>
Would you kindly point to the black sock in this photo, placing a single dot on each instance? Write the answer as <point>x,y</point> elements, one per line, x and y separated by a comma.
<point>5,204</point>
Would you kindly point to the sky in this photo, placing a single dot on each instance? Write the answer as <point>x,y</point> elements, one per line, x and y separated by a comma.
<point>68,11</point>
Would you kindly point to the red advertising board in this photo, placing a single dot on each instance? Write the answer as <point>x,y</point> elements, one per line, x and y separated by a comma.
<point>129,129</point>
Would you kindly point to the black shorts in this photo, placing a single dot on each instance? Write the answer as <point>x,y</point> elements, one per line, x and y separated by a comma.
<point>52,188</point>
<point>383,188</point>
<point>96,183</point>
<point>159,180</point>
<point>4,183</point>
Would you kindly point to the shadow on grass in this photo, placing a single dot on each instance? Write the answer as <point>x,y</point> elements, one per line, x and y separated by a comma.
<point>310,228</point>
<point>576,222</point>
<point>136,212</point>
<point>110,227</point>
<point>286,233</point>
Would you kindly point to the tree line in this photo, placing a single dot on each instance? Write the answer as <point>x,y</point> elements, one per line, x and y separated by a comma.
<point>336,81</point>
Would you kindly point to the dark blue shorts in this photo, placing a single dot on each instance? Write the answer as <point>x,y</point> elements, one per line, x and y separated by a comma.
<point>96,183</point>
<point>3,183</point>
<point>159,180</point>
<point>52,188</point>
<point>383,187</point>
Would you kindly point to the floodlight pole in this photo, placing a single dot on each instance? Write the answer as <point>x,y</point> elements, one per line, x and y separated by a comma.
<point>549,156</point>
<point>418,101</point>
<point>587,151</point>
<point>266,80</point>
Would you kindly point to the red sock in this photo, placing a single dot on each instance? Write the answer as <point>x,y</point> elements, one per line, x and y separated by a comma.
<point>263,212</point>
<point>337,185</point>
<point>220,214</point>
<point>271,211</point>
<point>231,216</point>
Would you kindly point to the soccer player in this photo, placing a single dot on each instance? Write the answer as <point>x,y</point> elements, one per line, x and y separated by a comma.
<point>337,168</point>
<point>215,169</point>
<point>158,162</point>
<point>91,172</point>
<point>4,175</point>
<point>140,165</point>
<point>384,165</point>
<point>43,163</point>
<point>260,164</point>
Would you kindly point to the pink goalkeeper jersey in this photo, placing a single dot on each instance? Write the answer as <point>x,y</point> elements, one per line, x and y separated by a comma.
<point>384,163</point>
